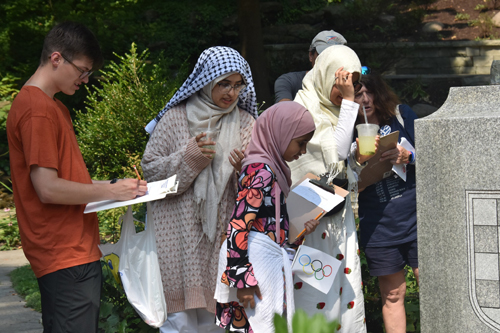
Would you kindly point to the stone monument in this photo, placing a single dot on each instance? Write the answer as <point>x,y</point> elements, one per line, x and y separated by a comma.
<point>458,212</point>
<point>495,72</point>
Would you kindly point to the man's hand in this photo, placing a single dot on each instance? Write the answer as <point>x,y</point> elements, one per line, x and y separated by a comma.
<point>126,189</point>
<point>54,190</point>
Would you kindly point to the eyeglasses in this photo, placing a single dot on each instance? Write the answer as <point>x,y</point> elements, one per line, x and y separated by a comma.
<point>84,73</point>
<point>225,87</point>
<point>357,86</point>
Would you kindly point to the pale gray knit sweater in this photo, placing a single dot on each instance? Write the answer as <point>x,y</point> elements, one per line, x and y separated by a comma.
<point>188,261</point>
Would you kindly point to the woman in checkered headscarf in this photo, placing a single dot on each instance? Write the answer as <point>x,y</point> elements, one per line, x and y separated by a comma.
<point>211,64</point>
<point>218,95</point>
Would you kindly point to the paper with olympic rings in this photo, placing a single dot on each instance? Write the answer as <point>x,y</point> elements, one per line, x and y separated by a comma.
<point>315,268</point>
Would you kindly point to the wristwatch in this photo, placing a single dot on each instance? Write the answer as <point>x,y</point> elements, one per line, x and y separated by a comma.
<point>114,180</point>
<point>411,158</point>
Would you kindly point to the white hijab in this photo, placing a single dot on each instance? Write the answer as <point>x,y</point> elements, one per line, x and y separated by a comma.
<point>210,184</point>
<point>315,96</point>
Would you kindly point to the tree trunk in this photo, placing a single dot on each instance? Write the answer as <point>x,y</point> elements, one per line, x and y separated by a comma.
<point>252,47</point>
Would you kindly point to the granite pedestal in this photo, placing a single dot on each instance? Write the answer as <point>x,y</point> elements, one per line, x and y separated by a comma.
<point>458,212</point>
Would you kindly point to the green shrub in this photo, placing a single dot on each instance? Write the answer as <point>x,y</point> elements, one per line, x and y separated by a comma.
<point>9,232</point>
<point>302,323</point>
<point>111,131</point>
<point>462,17</point>
<point>8,91</point>
<point>485,24</point>
<point>480,7</point>
<point>116,313</point>
<point>413,91</point>
<point>25,284</point>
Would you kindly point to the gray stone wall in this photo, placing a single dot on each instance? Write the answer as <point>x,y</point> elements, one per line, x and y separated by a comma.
<point>441,59</point>
<point>460,57</point>
<point>458,207</point>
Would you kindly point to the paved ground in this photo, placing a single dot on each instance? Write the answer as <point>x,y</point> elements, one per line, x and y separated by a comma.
<point>14,317</point>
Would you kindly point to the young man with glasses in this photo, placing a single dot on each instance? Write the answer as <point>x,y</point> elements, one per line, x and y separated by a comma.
<point>52,185</point>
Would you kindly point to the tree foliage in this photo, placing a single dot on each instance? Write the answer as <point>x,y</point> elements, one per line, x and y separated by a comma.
<point>180,28</point>
<point>111,131</point>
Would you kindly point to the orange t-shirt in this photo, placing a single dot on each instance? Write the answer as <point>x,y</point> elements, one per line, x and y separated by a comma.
<point>40,132</point>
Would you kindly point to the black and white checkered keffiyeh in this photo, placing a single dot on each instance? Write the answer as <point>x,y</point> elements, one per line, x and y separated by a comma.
<point>212,63</point>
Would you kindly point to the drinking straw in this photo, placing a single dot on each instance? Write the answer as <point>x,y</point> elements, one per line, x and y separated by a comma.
<point>210,120</point>
<point>364,112</point>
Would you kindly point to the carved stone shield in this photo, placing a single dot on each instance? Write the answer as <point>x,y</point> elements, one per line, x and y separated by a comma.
<point>483,255</point>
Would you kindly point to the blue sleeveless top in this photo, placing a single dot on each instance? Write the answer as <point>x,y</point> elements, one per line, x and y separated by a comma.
<point>388,208</point>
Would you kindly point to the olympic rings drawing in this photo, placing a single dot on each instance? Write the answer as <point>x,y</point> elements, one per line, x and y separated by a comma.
<point>315,271</point>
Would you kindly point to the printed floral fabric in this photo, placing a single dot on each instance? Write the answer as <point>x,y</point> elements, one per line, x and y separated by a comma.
<point>254,211</point>
<point>232,317</point>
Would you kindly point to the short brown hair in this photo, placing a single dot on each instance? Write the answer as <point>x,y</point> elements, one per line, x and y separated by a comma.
<point>73,40</point>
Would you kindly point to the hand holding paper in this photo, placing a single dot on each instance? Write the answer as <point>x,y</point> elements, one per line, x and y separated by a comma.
<point>405,148</point>
<point>307,201</point>
<point>310,226</point>
<point>149,192</point>
<point>127,189</point>
<point>398,155</point>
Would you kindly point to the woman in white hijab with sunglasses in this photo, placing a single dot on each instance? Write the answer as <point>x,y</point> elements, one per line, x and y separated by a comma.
<point>328,93</point>
<point>219,94</point>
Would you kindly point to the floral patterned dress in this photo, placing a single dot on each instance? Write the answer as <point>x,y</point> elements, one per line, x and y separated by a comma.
<point>254,211</point>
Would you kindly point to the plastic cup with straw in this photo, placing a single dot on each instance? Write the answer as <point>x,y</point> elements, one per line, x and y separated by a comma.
<point>366,135</point>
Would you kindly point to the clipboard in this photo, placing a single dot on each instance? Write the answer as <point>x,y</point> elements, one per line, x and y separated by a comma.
<point>156,190</point>
<point>375,170</point>
<point>301,210</point>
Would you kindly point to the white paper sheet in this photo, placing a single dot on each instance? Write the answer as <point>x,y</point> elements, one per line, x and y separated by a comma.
<point>315,268</point>
<point>316,195</point>
<point>400,169</point>
<point>156,190</point>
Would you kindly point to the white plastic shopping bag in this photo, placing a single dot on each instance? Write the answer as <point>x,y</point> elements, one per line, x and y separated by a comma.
<point>135,259</point>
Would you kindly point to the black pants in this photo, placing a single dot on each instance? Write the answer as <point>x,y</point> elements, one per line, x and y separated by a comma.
<point>71,298</point>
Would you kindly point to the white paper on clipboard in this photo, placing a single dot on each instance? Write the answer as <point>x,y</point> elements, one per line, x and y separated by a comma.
<point>156,190</point>
<point>300,209</point>
<point>316,195</point>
